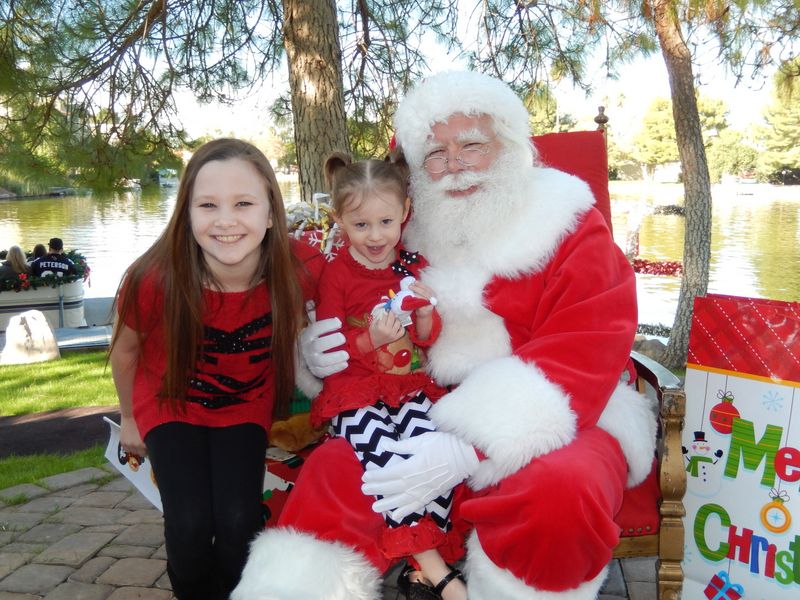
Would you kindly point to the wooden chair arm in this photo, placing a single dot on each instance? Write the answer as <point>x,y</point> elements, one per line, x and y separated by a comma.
<point>671,471</point>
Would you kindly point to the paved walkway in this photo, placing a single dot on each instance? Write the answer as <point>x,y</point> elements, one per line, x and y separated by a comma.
<point>89,535</point>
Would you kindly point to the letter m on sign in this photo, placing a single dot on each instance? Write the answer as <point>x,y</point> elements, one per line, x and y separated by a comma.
<point>744,448</point>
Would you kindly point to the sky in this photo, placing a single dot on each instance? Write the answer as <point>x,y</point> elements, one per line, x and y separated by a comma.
<point>626,99</point>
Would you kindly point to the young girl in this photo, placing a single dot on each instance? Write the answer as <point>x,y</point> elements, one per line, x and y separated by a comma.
<point>378,397</point>
<point>202,358</point>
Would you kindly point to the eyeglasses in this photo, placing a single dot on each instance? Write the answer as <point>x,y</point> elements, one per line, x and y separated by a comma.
<point>468,156</point>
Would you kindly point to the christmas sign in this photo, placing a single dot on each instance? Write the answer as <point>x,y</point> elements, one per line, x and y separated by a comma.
<point>741,447</point>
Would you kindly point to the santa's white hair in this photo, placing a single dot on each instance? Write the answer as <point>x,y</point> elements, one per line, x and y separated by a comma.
<point>466,92</point>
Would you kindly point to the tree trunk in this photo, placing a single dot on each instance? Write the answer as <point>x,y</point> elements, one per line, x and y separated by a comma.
<point>696,182</point>
<point>311,37</point>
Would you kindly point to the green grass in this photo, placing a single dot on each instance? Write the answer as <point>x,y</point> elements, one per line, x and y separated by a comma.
<point>75,379</point>
<point>16,470</point>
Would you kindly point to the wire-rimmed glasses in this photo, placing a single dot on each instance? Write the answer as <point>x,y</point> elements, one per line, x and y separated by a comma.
<point>468,156</point>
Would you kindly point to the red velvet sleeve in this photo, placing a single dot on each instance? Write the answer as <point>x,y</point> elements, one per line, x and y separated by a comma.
<point>585,319</point>
<point>310,263</point>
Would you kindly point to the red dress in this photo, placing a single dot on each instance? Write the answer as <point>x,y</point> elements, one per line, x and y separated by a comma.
<point>349,290</point>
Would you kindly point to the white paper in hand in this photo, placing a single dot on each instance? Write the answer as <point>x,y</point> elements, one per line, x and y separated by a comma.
<point>136,469</point>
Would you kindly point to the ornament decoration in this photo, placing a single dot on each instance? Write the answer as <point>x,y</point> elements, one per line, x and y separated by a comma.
<point>657,267</point>
<point>314,223</point>
<point>774,515</point>
<point>723,414</point>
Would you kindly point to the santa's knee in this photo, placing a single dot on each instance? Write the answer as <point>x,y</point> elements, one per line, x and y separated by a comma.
<point>549,527</point>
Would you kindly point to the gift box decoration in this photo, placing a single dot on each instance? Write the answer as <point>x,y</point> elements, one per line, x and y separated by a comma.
<point>721,588</point>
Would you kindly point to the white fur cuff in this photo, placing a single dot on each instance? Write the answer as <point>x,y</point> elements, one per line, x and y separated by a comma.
<point>511,412</point>
<point>630,418</point>
<point>285,564</point>
<point>487,581</point>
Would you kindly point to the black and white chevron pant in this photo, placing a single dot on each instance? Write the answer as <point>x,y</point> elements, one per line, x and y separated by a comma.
<point>368,427</point>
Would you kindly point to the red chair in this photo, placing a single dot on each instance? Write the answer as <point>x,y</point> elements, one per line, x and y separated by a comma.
<point>651,517</point>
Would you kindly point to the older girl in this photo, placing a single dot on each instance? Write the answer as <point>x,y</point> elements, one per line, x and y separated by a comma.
<point>202,358</point>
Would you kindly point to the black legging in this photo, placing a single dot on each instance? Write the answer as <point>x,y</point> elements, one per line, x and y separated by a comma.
<point>211,481</point>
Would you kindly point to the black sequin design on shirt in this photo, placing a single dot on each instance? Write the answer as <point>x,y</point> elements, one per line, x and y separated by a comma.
<point>216,390</point>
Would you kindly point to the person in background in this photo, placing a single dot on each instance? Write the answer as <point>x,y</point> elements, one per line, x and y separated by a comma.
<point>203,358</point>
<point>39,250</point>
<point>54,262</point>
<point>14,264</point>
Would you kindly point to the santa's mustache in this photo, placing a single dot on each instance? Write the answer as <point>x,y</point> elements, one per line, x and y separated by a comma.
<point>456,182</point>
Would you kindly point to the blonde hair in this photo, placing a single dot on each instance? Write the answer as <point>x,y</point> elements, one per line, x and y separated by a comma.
<point>16,258</point>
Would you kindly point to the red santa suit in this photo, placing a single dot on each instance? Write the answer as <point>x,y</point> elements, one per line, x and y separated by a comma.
<point>538,313</point>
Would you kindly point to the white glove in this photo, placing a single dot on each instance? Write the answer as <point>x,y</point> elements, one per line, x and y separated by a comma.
<point>316,340</point>
<point>439,461</point>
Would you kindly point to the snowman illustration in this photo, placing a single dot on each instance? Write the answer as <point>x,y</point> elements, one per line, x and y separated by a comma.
<point>700,465</point>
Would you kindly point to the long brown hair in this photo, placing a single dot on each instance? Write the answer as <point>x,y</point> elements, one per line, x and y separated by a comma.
<point>177,260</point>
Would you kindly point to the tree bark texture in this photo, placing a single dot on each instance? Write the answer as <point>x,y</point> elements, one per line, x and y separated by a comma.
<point>311,37</point>
<point>696,182</point>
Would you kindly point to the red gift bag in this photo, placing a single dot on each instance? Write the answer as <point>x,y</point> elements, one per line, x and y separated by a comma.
<point>741,447</point>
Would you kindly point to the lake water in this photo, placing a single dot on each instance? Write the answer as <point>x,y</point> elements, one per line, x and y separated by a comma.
<point>755,244</point>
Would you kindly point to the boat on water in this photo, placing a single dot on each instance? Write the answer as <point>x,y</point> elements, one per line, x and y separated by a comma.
<point>62,306</point>
<point>168,178</point>
<point>78,323</point>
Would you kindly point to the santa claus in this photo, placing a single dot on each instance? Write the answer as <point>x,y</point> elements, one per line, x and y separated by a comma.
<point>538,307</point>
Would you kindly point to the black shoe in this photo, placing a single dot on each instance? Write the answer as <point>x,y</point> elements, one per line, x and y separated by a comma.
<point>417,590</point>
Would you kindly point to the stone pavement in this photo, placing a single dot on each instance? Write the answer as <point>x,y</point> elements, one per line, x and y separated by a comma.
<point>89,535</point>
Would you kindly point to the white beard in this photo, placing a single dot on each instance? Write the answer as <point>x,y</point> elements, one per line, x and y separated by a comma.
<point>452,230</point>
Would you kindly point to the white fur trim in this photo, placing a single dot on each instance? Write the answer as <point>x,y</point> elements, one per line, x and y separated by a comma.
<point>285,564</point>
<point>509,410</point>
<point>630,418</point>
<point>471,334</point>
<point>443,95</point>
<point>487,581</point>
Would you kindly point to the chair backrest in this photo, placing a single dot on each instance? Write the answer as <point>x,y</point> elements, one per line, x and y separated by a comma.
<point>583,154</point>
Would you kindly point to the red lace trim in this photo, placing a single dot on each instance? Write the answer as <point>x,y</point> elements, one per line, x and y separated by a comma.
<point>396,542</point>
<point>366,391</point>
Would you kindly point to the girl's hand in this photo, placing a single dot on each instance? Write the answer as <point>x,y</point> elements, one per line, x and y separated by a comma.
<point>385,329</point>
<point>423,291</point>
<point>129,437</point>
